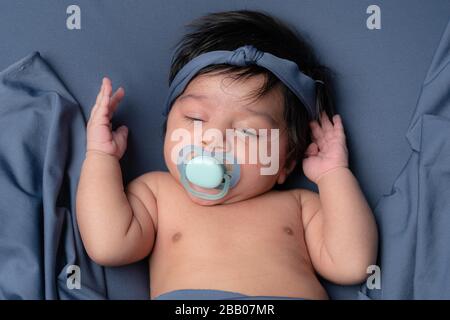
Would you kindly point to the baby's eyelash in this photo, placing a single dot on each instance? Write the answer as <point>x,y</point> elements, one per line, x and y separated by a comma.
<point>249,132</point>
<point>246,131</point>
<point>192,118</point>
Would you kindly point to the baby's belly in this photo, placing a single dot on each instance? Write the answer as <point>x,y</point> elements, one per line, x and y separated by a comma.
<point>242,260</point>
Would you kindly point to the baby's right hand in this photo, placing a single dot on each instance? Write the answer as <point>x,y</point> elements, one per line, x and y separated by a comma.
<point>100,136</point>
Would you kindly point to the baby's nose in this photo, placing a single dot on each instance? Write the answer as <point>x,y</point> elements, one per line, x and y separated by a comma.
<point>215,146</point>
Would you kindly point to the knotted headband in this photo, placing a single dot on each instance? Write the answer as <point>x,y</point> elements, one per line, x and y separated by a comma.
<point>287,71</point>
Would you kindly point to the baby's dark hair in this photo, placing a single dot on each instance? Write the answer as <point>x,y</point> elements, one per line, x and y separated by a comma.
<point>232,29</point>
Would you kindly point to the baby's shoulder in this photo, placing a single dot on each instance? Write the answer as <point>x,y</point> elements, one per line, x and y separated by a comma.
<point>155,180</point>
<point>303,195</point>
<point>155,175</point>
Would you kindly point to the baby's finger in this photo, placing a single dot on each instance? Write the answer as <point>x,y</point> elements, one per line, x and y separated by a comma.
<point>325,122</point>
<point>104,106</point>
<point>100,92</point>
<point>316,131</point>
<point>99,98</point>
<point>338,122</point>
<point>116,98</point>
<point>120,137</point>
<point>312,149</point>
<point>338,126</point>
<point>102,114</point>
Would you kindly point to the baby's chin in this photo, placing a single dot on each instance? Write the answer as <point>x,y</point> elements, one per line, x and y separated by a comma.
<point>234,195</point>
<point>231,197</point>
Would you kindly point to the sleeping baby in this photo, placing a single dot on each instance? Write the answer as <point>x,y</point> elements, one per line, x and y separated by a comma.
<point>247,105</point>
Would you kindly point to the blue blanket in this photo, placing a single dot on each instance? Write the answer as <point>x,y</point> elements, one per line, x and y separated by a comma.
<point>414,219</point>
<point>42,145</point>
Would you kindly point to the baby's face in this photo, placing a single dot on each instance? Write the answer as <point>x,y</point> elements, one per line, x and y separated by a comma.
<point>220,105</point>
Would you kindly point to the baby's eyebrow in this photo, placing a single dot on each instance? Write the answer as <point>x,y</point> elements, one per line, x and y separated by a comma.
<point>205,101</point>
<point>262,114</point>
<point>193,96</point>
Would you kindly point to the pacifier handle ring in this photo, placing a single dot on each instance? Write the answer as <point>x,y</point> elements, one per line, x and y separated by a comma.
<point>203,195</point>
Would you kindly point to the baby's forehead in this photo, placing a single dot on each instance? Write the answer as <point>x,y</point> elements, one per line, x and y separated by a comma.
<point>227,90</point>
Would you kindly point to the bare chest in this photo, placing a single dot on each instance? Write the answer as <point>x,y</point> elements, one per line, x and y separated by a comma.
<point>261,223</point>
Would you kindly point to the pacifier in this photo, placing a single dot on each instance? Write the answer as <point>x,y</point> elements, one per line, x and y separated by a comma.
<point>209,170</point>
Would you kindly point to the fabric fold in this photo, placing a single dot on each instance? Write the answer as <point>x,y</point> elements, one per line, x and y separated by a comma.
<point>414,218</point>
<point>42,146</point>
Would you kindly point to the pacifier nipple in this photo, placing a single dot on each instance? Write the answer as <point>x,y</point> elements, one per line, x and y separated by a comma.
<point>205,171</point>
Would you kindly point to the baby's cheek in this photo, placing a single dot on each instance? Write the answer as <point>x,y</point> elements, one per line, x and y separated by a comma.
<point>261,157</point>
<point>250,150</point>
<point>170,149</point>
<point>253,180</point>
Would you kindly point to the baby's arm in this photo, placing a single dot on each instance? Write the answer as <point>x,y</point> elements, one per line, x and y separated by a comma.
<point>340,229</point>
<point>116,225</point>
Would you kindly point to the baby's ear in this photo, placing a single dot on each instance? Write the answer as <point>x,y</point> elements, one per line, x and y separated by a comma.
<point>285,171</point>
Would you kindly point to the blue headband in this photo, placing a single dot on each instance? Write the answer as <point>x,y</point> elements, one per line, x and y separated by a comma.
<point>287,71</point>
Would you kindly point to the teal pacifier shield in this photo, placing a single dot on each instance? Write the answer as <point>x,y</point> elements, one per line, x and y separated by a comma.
<point>204,171</point>
<point>207,170</point>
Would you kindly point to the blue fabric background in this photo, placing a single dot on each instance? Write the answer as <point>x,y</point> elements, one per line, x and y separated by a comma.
<point>379,79</point>
<point>414,218</point>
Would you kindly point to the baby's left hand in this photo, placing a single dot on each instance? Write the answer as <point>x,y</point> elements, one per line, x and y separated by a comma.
<point>328,149</point>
